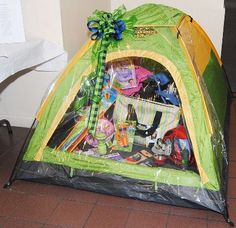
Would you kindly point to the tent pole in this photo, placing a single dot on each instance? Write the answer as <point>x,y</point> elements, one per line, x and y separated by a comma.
<point>19,158</point>
<point>226,217</point>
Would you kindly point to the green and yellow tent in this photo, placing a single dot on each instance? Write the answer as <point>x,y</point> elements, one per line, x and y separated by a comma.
<point>65,146</point>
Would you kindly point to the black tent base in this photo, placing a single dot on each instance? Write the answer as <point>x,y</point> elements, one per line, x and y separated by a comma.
<point>119,186</point>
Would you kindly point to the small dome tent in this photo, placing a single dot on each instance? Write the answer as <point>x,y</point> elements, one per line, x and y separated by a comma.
<point>139,112</point>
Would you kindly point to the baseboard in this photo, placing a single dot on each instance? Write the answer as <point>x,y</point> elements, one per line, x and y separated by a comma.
<point>18,121</point>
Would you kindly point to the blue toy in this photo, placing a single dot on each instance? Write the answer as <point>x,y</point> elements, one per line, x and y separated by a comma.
<point>166,95</point>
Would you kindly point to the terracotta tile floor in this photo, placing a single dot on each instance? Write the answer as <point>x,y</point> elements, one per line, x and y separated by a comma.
<point>31,205</point>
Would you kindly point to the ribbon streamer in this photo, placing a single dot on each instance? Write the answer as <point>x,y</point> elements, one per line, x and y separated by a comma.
<point>107,27</point>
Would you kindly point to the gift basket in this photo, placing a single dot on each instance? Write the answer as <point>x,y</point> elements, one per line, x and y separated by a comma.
<point>139,112</point>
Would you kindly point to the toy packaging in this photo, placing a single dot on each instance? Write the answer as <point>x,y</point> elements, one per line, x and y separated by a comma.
<point>124,136</point>
<point>122,73</point>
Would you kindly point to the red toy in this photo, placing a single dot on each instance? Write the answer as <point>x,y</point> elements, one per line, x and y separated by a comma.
<point>181,153</point>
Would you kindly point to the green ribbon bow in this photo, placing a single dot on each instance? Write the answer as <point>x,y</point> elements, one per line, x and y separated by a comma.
<point>108,28</point>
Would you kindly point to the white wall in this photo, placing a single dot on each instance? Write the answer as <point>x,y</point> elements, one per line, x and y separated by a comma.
<point>208,13</point>
<point>62,22</point>
<point>74,21</point>
<point>42,19</point>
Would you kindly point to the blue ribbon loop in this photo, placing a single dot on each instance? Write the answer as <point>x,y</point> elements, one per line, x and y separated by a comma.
<point>107,27</point>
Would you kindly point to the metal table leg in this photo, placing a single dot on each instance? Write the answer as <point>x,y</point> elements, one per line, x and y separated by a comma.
<point>6,123</point>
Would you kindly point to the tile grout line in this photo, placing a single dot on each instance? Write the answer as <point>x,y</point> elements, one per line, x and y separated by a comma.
<point>134,209</point>
<point>232,178</point>
<point>6,219</point>
<point>97,203</point>
<point>168,216</point>
<point>47,220</point>
<point>11,214</point>
<point>148,210</point>
<point>127,220</point>
<point>22,219</point>
<point>153,211</point>
<point>86,221</point>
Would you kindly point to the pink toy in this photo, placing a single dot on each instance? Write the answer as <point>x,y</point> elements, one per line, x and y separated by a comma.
<point>141,75</point>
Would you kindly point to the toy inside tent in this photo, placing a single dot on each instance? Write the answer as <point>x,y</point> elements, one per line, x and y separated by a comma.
<point>140,120</point>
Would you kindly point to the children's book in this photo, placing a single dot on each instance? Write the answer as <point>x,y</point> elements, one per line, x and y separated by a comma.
<point>122,74</point>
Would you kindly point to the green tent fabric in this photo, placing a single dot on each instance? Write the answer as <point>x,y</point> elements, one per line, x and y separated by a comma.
<point>159,40</point>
